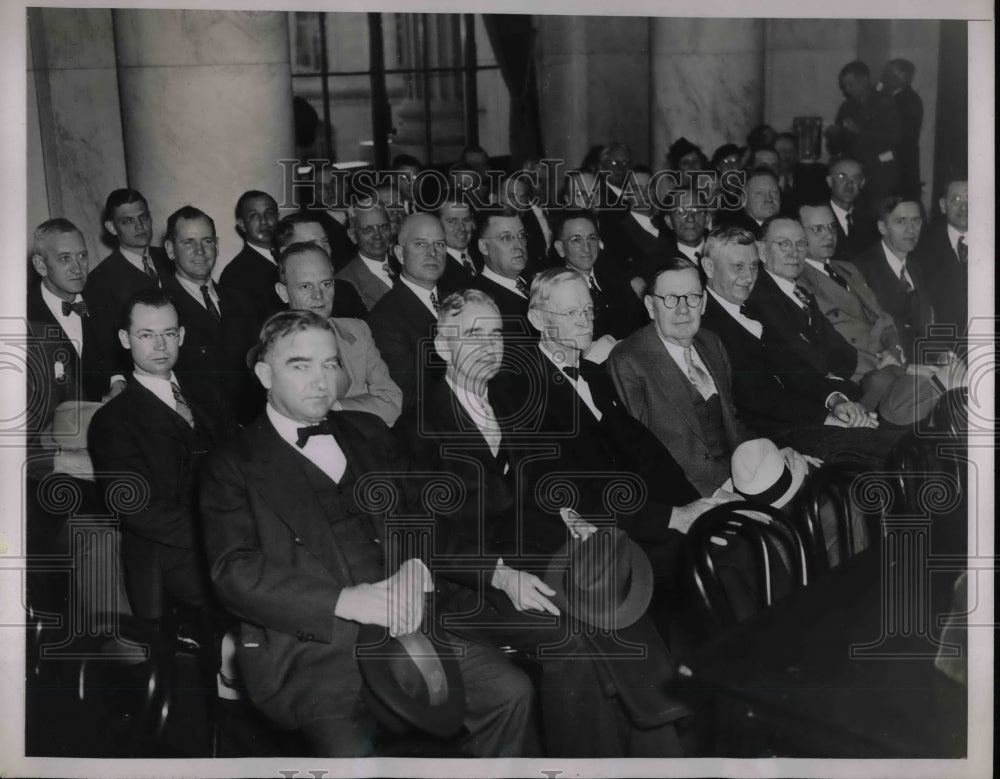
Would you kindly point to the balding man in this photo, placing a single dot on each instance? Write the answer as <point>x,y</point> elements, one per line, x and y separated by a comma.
<point>763,201</point>
<point>402,322</point>
<point>369,272</point>
<point>855,228</point>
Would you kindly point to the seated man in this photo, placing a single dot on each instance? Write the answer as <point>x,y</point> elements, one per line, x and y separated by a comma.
<point>157,432</point>
<point>368,271</point>
<point>778,394</point>
<point>303,564</point>
<point>402,322</point>
<point>300,228</point>
<point>503,243</point>
<point>306,283</point>
<point>687,223</point>
<point>856,230</point>
<point>591,707</point>
<point>763,201</point>
<point>464,262</point>
<point>254,270</point>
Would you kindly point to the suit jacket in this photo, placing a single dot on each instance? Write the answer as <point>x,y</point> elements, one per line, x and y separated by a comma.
<point>109,285</point>
<point>617,310</point>
<point>513,308</point>
<point>863,235</point>
<point>456,276</point>
<point>277,566</point>
<point>403,329</point>
<point>738,218</point>
<point>215,352</point>
<point>910,315</point>
<point>771,391</point>
<point>255,277</point>
<point>947,277</point>
<point>806,337</point>
<point>59,373</point>
<point>370,288</point>
<point>371,388</point>
<point>546,421</point>
<point>137,433</point>
<point>658,393</point>
<point>537,246</point>
<point>854,313</point>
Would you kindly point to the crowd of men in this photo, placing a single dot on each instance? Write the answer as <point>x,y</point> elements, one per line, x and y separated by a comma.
<point>534,353</point>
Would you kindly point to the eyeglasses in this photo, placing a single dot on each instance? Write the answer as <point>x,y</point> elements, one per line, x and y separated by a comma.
<point>821,229</point>
<point>957,200</point>
<point>574,313</point>
<point>577,241</point>
<point>145,336</point>
<point>786,245</point>
<point>382,228</point>
<point>852,179</point>
<point>508,239</point>
<point>692,300</point>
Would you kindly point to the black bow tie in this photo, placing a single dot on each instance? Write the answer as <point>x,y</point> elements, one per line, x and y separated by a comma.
<point>572,371</point>
<point>305,433</point>
<point>80,307</point>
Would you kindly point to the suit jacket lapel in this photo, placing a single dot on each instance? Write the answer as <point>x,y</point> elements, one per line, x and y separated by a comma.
<point>667,374</point>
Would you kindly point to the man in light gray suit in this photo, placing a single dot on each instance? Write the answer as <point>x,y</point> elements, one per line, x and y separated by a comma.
<point>675,378</point>
<point>368,226</point>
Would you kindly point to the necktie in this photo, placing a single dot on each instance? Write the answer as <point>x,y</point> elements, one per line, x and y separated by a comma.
<point>387,270</point>
<point>522,286</point>
<point>147,265</point>
<point>434,303</point>
<point>305,433</point>
<point>488,425</point>
<point>699,378</point>
<point>182,406</point>
<point>806,299</point>
<point>850,223</point>
<point>963,250</point>
<point>210,304</point>
<point>828,267</point>
<point>904,281</point>
<point>572,371</point>
<point>80,307</point>
<point>467,264</point>
<point>697,257</point>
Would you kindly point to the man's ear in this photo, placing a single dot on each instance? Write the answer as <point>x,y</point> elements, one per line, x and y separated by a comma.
<point>482,246</point>
<point>263,372</point>
<point>282,291</point>
<point>941,203</point>
<point>707,265</point>
<point>180,335</point>
<point>168,247</point>
<point>882,230</point>
<point>397,250</point>
<point>110,227</point>
<point>241,227</point>
<point>560,248</point>
<point>123,339</point>
<point>38,263</point>
<point>535,317</point>
<point>650,302</point>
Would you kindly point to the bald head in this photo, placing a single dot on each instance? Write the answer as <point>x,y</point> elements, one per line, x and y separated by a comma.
<point>421,249</point>
<point>416,223</point>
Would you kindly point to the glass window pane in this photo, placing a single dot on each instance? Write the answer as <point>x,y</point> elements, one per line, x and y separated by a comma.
<point>494,112</point>
<point>347,42</point>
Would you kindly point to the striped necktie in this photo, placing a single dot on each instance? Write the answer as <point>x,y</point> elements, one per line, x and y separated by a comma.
<point>147,265</point>
<point>181,405</point>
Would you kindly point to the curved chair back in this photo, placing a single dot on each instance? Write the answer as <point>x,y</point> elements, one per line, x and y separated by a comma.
<point>773,544</point>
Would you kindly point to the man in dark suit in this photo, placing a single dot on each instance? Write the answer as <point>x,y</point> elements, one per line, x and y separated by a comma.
<point>134,265</point>
<point>368,271</point>
<point>503,243</point>
<point>902,287</point>
<point>464,262</point>
<point>856,230</point>
<point>897,83</point>
<point>220,323</point>
<point>642,227</point>
<point>306,283</point>
<point>687,223</point>
<point>303,228</point>
<point>519,192</point>
<point>675,378</point>
<point>775,392</point>
<point>763,200</point>
<point>402,322</point>
<point>457,430</point>
<point>617,310</point>
<point>158,431</point>
<point>798,182</point>
<point>254,270</point>
<point>943,258</point>
<point>303,562</point>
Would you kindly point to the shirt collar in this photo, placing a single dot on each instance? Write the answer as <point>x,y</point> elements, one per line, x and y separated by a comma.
<point>689,251</point>
<point>839,212</point>
<point>285,427</point>
<point>820,266</point>
<point>645,223</point>
<point>897,265</point>
<point>195,289</point>
<point>158,386</point>
<point>474,406</point>
<point>133,258</point>
<point>786,286</point>
<point>953,236</point>
<point>503,281</point>
<point>674,350</point>
<point>262,252</point>
<point>420,292</point>
<point>53,301</point>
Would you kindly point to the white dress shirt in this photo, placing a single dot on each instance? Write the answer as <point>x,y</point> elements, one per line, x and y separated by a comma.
<point>159,387</point>
<point>841,216</point>
<point>579,384</point>
<point>788,287</point>
<point>378,269</point>
<point>897,265</point>
<point>263,253</point>
<point>645,223</point>
<point>133,259</point>
<point>953,236</point>
<point>752,326</point>
<point>458,257</point>
<point>423,294</point>
<point>503,281</point>
<point>71,324</point>
<point>194,290</point>
<point>323,450</point>
<point>481,413</point>
<point>690,251</point>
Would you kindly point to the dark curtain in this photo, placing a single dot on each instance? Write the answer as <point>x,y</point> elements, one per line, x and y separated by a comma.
<point>951,143</point>
<point>513,39</point>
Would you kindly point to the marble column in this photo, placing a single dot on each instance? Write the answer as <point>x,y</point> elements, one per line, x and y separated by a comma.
<point>707,81</point>
<point>206,109</point>
<point>75,152</point>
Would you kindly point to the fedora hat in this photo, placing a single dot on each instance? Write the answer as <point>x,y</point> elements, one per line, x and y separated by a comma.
<point>604,580</point>
<point>761,473</point>
<point>70,421</point>
<point>411,680</point>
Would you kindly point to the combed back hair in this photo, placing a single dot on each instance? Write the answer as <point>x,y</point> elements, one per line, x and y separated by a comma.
<point>671,263</point>
<point>728,236</point>
<point>813,202</point>
<point>285,229</point>
<point>250,195</point>
<point>294,250</point>
<point>154,297</point>
<point>187,213</point>
<point>856,68</point>
<point>484,216</point>
<point>283,324</point>
<point>766,224</point>
<point>561,217</point>
<point>57,226</point>
<point>761,171</point>
<point>544,282</point>
<point>121,197</point>
<point>455,303</point>
<point>364,204</point>
<point>888,204</point>
<point>845,158</point>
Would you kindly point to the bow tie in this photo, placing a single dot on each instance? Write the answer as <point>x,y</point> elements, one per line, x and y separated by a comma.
<point>80,307</point>
<point>305,433</point>
<point>572,371</point>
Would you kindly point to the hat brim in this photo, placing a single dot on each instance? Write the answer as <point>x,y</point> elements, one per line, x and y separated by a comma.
<point>377,653</point>
<point>589,609</point>
<point>799,470</point>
